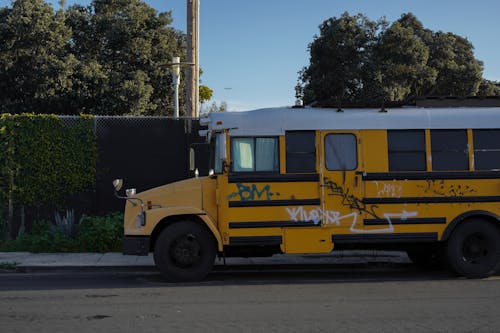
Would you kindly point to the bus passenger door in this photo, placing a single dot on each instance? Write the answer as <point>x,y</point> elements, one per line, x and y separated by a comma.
<point>341,188</point>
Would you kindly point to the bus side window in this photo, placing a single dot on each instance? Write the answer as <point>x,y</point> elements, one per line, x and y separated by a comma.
<point>450,150</point>
<point>255,154</point>
<point>341,152</point>
<point>300,151</point>
<point>406,150</point>
<point>487,149</point>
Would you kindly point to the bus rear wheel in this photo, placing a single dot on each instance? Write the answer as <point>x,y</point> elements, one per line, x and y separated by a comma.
<point>185,251</point>
<point>473,249</point>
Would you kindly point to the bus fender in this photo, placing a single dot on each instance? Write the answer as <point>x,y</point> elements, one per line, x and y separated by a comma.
<point>473,213</point>
<point>154,216</point>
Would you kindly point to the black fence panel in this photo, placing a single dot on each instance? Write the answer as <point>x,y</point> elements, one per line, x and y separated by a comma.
<point>145,152</point>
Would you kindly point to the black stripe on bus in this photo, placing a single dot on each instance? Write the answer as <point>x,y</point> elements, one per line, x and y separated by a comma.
<point>276,178</point>
<point>424,220</point>
<point>255,240</point>
<point>386,238</point>
<point>419,200</point>
<point>272,224</point>
<point>430,175</point>
<point>273,203</point>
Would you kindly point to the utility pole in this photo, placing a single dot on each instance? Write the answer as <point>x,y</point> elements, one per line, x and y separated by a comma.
<point>193,53</point>
<point>176,71</point>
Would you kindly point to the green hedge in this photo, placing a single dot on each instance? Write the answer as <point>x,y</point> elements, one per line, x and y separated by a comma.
<point>43,160</point>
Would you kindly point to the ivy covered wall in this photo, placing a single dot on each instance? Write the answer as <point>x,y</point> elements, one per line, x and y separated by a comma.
<point>43,161</point>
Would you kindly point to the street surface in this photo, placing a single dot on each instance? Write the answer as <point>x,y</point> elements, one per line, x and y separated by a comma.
<point>323,298</point>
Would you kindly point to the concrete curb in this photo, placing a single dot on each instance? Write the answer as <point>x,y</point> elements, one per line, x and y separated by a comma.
<point>38,262</point>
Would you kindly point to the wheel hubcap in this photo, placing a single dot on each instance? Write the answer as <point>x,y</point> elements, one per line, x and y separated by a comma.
<point>185,251</point>
<point>476,248</point>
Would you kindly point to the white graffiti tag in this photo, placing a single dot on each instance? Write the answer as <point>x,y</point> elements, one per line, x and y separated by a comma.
<point>330,217</point>
<point>316,215</point>
<point>389,227</point>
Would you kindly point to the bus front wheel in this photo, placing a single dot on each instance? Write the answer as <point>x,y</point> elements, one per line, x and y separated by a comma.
<point>473,249</point>
<point>184,251</point>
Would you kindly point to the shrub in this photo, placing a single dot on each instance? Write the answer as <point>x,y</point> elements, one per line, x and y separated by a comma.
<point>101,233</point>
<point>42,238</point>
<point>94,234</point>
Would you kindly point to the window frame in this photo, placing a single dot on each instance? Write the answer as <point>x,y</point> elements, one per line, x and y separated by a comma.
<point>254,154</point>
<point>355,146</point>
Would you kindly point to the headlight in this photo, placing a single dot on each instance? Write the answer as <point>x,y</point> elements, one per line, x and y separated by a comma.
<point>130,192</point>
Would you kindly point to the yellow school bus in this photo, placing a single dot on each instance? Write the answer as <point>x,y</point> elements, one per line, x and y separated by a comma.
<point>311,181</point>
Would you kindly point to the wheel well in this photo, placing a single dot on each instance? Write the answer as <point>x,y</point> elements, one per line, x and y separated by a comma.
<point>477,214</point>
<point>167,221</point>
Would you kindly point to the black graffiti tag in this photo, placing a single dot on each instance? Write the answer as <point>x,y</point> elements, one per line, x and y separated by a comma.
<point>348,199</point>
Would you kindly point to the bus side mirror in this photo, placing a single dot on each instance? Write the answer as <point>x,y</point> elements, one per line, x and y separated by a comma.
<point>117,184</point>
<point>191,159</point>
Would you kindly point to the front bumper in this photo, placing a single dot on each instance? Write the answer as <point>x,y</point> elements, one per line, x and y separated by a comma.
<point>136,245</point>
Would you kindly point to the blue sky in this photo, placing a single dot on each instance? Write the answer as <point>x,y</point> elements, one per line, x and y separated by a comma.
<point>251,50</point>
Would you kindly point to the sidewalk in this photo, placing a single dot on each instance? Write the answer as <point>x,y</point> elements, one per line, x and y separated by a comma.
<point>26,261</point>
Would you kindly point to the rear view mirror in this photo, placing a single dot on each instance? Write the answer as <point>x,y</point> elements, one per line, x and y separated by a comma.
<point>117,184</point>
<point>192,159</point>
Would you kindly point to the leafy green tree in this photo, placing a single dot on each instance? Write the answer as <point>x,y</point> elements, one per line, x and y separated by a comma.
<point>110,57</point>
<point>489,88</point>
<point>123,47</point>
<point>401,57</point>
<point>358,60</point>
<point>205,94</point>
<point>339,58</point>
<point>35,65</point>
<point>459,72</point>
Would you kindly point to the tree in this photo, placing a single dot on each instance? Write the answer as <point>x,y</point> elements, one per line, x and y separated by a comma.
<point>459,72</point>
<point>339,58</point>
<point>489,88</point>
<point>222,107</point>
<point>35,65</point>
<point>110,57</point>
<point>205,94</point>
<point>123,47</point>
<point>358,60</point>
<point>401,57</point>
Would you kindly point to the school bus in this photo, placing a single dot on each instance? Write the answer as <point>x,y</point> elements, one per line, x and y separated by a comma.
<point>312,181</point>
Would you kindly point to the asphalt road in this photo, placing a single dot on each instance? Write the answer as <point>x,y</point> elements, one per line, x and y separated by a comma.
<point>392,298</point>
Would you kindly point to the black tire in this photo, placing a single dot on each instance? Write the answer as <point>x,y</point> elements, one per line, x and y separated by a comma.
<point>473,249</point>
<point>185,251</point>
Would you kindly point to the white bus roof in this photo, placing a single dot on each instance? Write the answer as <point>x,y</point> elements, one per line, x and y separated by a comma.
<point>275,121</point>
